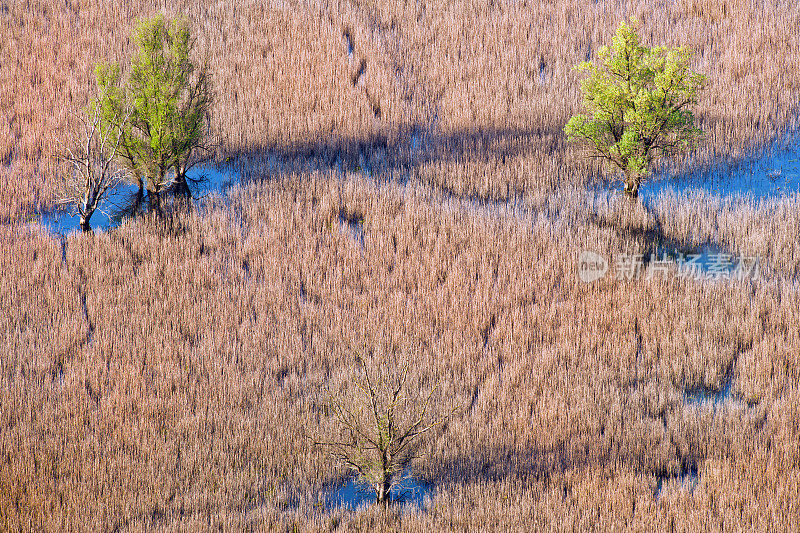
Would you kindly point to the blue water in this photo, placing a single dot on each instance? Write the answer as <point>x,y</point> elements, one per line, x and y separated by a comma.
<point>707,262</point>
<point>354,494</point>
<point>706,395</point>
<point>210,179</point>
<point>774,174</point>
<point>687,479</point>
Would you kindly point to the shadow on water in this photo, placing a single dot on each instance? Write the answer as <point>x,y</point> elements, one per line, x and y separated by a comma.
<point>705,262</point>
<point>547,465</point>
<point>352,224</point>
<point>659,254</point>
<point>705,395</point>
<point>354,494</point>
<point>716,396</point>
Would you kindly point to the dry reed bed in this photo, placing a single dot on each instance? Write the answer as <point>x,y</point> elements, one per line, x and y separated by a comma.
<point>764,228</point>
<point>500,72</point>
<point>165,374</point>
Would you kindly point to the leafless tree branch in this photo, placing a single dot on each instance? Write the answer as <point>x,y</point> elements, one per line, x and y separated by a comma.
<point>379,426</point>
<point>89,160</point>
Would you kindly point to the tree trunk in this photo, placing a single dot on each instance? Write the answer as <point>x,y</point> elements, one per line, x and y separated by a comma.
<point>383,491</point>
<point>182,191</point>
<point>85,226</point>
<point>154,202</point>
<point>181,187</point>
<point>632,182</point>
<point>153,196</point>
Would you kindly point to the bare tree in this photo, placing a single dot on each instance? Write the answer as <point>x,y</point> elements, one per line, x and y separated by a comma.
<point>379,427</point>
<point>90,168</point>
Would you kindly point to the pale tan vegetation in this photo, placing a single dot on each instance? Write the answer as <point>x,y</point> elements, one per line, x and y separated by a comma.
<point>497,79</point>
<point>163,375</point>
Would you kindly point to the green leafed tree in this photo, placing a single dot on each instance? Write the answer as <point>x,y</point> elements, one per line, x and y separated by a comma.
<point>169,98</point>
<point>638,103</point>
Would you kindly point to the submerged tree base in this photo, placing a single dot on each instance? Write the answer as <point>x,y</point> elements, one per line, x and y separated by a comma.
<point>631,190</point>
<point>353,494</point>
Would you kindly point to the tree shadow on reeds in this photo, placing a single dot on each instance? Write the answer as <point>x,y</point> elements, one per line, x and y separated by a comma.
<point>397,155</point>
<point>381,158</point>
<point>166,213</point>
<point>649,235</point>
<point>545,464</point>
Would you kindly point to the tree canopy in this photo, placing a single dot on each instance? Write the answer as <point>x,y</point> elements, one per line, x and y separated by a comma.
<point>638,103</point>
<point>169,98</point>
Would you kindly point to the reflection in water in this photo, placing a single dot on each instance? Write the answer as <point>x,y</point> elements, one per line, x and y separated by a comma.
<point>126,200</point>
<point>354,494</point>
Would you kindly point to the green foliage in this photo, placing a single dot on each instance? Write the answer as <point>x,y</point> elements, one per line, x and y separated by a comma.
<point>638,102</point>
<point>170,100</point>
